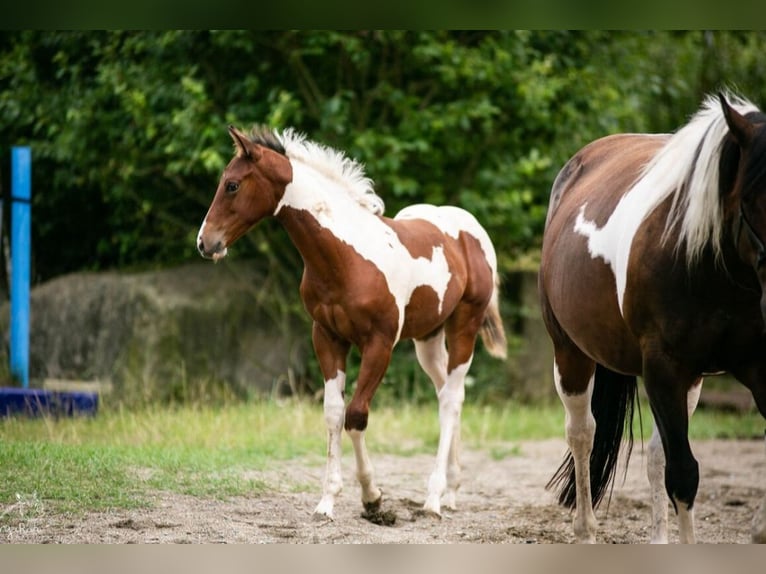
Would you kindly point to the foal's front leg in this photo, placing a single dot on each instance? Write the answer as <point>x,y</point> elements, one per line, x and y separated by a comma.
<point>331,354</point>
<point>376,355</point>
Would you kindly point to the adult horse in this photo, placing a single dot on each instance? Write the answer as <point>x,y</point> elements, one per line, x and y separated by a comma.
<point>429,274</point>
<point>653,265</point>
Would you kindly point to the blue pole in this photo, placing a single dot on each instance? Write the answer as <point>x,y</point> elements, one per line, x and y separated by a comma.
<point>21,195</point>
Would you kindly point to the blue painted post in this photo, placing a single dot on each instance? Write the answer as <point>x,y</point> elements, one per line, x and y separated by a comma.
<point>21,195</point>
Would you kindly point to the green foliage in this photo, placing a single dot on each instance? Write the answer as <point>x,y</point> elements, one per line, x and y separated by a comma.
<point>128,128</point>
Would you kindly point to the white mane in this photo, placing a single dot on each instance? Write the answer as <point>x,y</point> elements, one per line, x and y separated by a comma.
<point>334,165</point>
<point>686,168</point>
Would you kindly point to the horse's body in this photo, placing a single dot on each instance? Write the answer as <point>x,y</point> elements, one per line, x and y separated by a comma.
<point>429,274</point>
<point>652,266</point>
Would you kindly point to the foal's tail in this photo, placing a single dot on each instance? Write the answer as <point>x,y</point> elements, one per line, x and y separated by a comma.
<point>492,331</point>
<point>613,403</point>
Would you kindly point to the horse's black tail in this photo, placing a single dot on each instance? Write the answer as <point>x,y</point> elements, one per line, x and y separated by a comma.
<point>612,405</point>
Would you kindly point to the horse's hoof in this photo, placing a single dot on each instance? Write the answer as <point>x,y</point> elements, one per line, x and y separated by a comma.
<point>321,517</point>
<point>374,514</point>
<point>427,513</point>
<point>381,517</point>
<point>323,512</point>
<point>374,506</point>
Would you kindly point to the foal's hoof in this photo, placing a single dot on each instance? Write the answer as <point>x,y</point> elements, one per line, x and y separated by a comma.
<point>373,506</point>
<point>374,514</point>
<point>321,518</point>
<point>427,513</point>
<point>323,511</point>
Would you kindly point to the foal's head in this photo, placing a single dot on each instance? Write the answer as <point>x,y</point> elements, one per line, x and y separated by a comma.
<point>249,189</point>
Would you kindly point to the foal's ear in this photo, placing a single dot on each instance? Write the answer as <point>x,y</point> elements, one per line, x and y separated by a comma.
<point>740,128</point>
<point>245,146</point>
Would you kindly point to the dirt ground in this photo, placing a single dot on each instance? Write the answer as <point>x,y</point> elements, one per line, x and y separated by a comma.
<point>500,501</point>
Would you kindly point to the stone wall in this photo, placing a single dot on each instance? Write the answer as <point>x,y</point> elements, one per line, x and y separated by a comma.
<point>163,334</point>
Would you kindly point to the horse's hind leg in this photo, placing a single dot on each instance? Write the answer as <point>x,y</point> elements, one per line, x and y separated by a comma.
<point>461,330</point>
<point>655,470</point>
<point>573,375</point>
<point>432,356</point>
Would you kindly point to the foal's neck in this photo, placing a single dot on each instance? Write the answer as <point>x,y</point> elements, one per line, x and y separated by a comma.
<point>324,222</point>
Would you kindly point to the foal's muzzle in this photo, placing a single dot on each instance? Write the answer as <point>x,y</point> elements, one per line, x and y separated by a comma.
<point>216,252</point>
<point>214,248</point>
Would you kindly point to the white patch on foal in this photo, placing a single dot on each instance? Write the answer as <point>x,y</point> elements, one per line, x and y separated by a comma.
<point>329,203</point>
<point>334,410</point>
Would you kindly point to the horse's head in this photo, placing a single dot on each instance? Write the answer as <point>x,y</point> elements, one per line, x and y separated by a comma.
<point>249,189</point>
<point>747,196</point>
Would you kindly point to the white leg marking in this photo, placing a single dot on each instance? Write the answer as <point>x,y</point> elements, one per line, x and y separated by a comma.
<point>655,470</point>
<point>451,398</point>
<point>685,523</point>
<point>364,472</point>
<point>580,430</point>
<point>453,470</point>
<point>334,410</point>
<point>432,356</point>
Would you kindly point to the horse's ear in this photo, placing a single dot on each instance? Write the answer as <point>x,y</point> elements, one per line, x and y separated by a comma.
<point>245,146</point>
<point>740,128</point>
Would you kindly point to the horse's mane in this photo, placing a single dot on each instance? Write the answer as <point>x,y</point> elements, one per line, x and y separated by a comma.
<point>328,161</point>
<point>687,170</point>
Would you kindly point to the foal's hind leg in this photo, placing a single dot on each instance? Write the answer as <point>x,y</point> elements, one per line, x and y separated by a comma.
<point>573,375</point>
<point>460,330</point>
<point>432,356</point>
<point>655,470</point>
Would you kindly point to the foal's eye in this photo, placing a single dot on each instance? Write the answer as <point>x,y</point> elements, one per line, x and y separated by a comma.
<point>232,186</point>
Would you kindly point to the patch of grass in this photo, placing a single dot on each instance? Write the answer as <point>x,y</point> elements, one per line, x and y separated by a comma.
<point>500,452</point>
<point>118,458</point>
<point>113,459</point>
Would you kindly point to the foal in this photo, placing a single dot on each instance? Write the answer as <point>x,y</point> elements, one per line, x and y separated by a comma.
<point>429,274</point>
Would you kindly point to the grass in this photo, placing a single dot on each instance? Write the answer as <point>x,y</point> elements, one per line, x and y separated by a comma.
<point>118,458</point>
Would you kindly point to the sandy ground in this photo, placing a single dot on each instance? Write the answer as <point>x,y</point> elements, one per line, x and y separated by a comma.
<point>500,501</point>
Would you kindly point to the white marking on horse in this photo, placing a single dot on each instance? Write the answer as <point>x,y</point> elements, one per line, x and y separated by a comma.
<point>332,210</point>
<point>697,213</point>
<point>612,242</point>
<point>334,409</point>
<point>451,397</point>
<point>580,426</point>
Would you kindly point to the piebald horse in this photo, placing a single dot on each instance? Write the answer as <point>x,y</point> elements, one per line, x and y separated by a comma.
<point>429,274</point>
<point>654,265</point>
